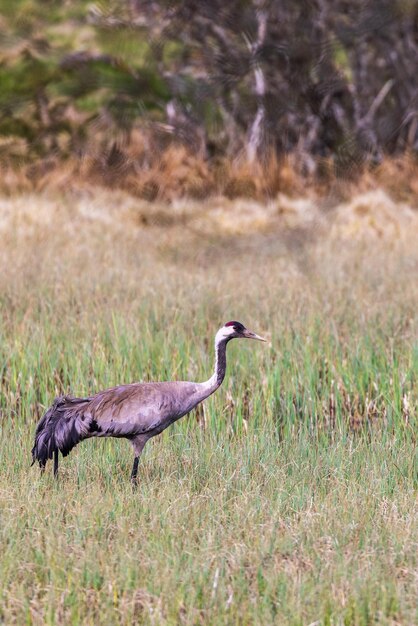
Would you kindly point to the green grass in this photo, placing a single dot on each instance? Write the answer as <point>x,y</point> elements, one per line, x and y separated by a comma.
<point>290,497</point>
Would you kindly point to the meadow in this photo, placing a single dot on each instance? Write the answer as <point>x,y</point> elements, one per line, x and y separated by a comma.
<point>290,496</point>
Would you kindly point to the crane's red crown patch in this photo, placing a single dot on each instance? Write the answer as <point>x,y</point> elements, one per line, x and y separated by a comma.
<point>237,325</point>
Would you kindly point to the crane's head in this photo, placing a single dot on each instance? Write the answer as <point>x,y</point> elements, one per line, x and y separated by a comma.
<point>236,330</point>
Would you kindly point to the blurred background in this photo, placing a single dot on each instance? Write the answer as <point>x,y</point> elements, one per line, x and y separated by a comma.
<point>243,98</point>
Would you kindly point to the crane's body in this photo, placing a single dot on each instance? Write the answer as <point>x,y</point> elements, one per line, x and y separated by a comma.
<point>137,411</point>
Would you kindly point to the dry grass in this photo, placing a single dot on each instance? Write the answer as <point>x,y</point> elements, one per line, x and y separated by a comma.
<point>372,215</point>
<point>168,172</point>
<point>290,497</point>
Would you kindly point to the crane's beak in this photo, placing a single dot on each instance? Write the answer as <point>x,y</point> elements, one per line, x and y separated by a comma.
<point>250,335</point>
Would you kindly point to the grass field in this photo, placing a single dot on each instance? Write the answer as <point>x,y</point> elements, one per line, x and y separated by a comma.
<point>290,496</point>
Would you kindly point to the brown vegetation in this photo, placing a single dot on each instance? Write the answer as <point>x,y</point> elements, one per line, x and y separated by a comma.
<point>177,173</point>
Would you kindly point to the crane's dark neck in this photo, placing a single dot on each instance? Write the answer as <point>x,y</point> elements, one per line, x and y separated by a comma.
<point>220,361</point>
<point>216,379</point>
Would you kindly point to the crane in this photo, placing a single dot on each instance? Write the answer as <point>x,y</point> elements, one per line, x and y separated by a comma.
<point>136,411</point>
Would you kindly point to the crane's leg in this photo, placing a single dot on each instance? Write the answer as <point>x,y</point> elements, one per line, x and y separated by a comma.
<point>55,463</point>
<point>135,469</point>
<point>138,445</point>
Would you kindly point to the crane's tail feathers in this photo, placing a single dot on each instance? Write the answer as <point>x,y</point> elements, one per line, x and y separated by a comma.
<point>62,427</point>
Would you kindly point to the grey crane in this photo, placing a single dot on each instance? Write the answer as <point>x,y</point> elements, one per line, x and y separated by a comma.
<point>137,411</point>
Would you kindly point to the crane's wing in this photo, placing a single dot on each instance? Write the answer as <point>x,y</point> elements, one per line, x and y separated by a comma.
<point>140,408</point>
